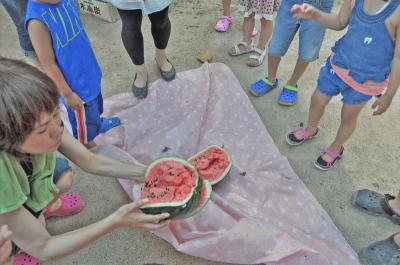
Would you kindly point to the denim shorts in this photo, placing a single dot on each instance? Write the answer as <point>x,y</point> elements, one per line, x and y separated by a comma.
<point>311,34</point>
<point>62,167</point>
<point>330,85</point>
<point>17,11</point>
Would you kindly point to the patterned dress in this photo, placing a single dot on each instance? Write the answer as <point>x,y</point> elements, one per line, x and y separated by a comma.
<point>262,8</point>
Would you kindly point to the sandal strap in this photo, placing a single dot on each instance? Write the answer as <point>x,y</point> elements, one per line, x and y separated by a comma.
<point>245,44</point>
<point>331,153</point>
<point>260,54</point>
<point>305,133</point>
<point>292,88</point>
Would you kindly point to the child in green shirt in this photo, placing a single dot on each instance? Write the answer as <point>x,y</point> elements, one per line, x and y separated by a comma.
<point>32,178</point>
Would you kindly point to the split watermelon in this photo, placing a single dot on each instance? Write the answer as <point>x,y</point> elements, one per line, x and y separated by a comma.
<point>172,186</point>
<point>213,163</point>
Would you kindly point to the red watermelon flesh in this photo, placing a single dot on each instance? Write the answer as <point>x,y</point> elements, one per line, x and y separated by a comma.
<point>169,181</point>
<point>211,163</point>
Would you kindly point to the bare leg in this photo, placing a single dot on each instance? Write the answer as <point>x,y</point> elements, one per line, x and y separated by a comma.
<point>266,31</point>
<point>226,4</point>
<point>161,58</point>
<point>299,69</point>
<point>64,185</point>
<point>317,109</point>
<point>248,25</point>
<point>348,124</point>
<point>273,64</point>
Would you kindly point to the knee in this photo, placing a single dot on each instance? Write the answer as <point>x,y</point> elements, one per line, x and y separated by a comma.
<point>161,25</point>
<point>349,118</point>
<point>131,26</point>
<point>65,182</point>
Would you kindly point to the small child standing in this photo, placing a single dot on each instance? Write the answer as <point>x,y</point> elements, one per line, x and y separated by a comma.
<point>311,36</point>
<point>65,53</point>
<point>255,9</point>
<point>363,63</point>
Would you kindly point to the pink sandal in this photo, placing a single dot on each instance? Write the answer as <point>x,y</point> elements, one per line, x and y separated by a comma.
<point>324,165</point>
<point>291,138</point>
<point>23,258</point>
<point>223,23</point>
<point>71,203</point>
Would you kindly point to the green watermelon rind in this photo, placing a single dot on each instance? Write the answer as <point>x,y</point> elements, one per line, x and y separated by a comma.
<point>175,209</point>
<point>202,205</point>
<point>228,168</point>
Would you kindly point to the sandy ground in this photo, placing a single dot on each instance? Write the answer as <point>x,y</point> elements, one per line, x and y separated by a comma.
<point>370,161</point>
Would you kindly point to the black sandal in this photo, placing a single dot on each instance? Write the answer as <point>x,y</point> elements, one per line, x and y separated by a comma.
<point>167,75</point>
<point>139,92</point>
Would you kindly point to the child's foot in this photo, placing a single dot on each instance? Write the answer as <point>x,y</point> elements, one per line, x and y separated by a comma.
<point>24,258</point>
<point>375,203</point>
<point>288,96</point>
<point>241,48</point>
<point>223,23</point>
<point>328,158</point>
<point>262,86</point>
<point>68,204</point>
<point>385,252</point>
<point>256,59</point>
<point>109,123</point>
<point>301,135</point>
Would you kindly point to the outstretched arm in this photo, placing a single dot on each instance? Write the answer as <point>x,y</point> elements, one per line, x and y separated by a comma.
<point>31,236</point>
<point>98,164</point>
<point>332,21</point>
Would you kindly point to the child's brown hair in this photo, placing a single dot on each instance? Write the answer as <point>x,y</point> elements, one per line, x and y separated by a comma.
<point>25,93</point>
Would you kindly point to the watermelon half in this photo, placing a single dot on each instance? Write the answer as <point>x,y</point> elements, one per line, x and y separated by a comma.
<point>213,163</point>
<point>206,191</point>
<point>172,186</point>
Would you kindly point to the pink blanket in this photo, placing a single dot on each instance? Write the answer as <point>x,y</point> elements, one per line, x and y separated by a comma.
<point>266,216</point>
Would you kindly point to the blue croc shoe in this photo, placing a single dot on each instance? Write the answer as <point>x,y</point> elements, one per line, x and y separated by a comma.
<point>109,123</point>
<point>262,86</point>
<point>288,96</point>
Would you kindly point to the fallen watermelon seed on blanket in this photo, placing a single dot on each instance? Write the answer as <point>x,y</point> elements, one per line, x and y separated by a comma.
<point>213,163</point>
<point>172,186</point>
<point>166,149</point>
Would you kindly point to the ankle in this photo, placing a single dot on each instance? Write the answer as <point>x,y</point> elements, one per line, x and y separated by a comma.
<point>395,205</point>
<point>291,83</point>
<point>54,206</point>
<point>335,148</point>
<point>272,79</point>
<point>311,130</point>
<point>396,239</point>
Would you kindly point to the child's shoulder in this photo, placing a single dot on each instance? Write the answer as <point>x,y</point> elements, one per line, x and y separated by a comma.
<point>393,23</point>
